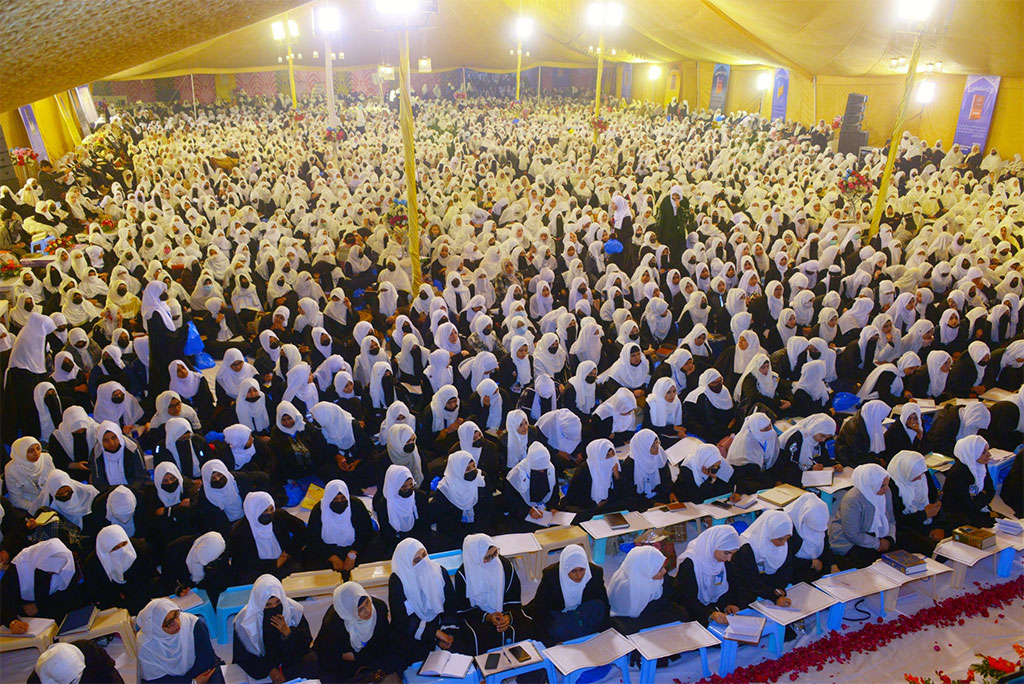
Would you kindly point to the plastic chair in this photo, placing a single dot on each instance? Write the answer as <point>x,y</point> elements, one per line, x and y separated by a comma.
<point>206,611</point>
<point>228,605</point>
<point>107,622</point>
<point>773,630</point>
<point>648,667</point>
<point>573,677</point>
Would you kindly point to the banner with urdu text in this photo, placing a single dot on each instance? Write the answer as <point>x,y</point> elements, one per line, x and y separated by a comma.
<point>719,87</point>
<point>976,111</point>
<point>780,94</point>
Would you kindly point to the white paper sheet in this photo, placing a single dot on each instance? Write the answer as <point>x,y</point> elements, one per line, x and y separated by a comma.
<point>605,648</point>
<point>663,642</point>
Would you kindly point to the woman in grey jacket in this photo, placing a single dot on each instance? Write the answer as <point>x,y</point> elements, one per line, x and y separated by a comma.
<point>863,527</point>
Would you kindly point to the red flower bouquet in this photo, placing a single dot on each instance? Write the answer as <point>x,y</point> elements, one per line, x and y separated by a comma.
<point>989,669</point>
<point>9,265</point>
<point>599,124</point>
<point>23,156</point>
<point>854,184</point>
<point>64,241</point>
<point>334,135</point>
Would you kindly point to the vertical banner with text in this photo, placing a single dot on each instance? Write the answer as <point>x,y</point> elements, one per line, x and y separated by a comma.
<point>35,136</point>
<point>627,82</point>
<point>976,111</point>
<point>780,94</point>
<point>719,86</point>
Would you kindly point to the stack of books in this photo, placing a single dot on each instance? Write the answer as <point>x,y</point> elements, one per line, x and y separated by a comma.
<point>974,536</point>
<point>1009,527</point>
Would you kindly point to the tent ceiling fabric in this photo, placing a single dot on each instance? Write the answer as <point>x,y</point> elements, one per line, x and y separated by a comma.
<point>158,38</point>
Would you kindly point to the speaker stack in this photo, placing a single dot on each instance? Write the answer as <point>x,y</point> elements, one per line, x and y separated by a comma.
<point>851,136</point>
<point>7,175</point>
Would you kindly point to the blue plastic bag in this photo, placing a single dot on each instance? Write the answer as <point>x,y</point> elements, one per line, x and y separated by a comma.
<point>193,343</point>
<point>202,361</point>
<point>844,401</point>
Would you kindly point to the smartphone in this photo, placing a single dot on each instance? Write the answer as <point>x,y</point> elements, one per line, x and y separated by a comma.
<point>724,505</point>
<point>492,660</point>
<point>519,653</point>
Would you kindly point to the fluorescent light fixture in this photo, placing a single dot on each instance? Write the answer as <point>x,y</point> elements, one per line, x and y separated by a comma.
<point>328,19</point>
<point>424,65</point>
<point>604,14</point>
<point>293,29</point>
<point>926,92</point>
<point>654,72</point>
<point>524,27</point>
<point>277,29</point>
<point>764,80</point>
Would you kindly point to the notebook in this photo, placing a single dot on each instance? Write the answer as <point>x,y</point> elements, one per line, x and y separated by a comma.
<point>78,621</point>
<point>782,495</point>
<point>36,626</point>
<point>817,478</point>
<point>444,664</point>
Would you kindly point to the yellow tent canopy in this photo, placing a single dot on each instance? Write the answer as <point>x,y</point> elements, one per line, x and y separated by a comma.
<point>52,46</point>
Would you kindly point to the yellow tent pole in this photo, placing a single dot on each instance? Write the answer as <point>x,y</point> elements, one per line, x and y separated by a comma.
<point>894,141</point>
<point>519,63</point>
<point>410,160</point>
<point>597,90</point>
<point>291,76</point>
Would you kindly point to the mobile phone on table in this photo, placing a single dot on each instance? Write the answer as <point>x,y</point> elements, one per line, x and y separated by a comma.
<point>492,660</point>
<point>519,653</point>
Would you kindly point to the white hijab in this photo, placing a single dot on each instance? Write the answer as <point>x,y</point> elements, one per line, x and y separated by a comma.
<point>485,581</point>
<point>267,546</point>
<point>249,622</point>
<point>160,653</point>
<point>633,586</point>
<point>709,572</point>
<point>768,526</point>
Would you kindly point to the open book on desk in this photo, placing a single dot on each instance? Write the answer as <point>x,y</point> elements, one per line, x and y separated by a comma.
<point>667,641</point>
<point>817,478</point>
<point>744,628</point>
<point>516,544</point>
<point>36,626</point>
<point>805,601</point>
<point>552,519</point>
<point>681,449</point>
<point>446,664</point>
<point>605,648</point>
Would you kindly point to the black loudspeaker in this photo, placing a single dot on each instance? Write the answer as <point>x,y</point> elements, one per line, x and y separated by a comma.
<point>851,136</point>
<point>7,175</point>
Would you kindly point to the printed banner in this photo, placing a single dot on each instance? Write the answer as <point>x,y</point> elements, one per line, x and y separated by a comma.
<point>35,137</point>
<point>719,87</point>
<point>627,82</point>
<point>976,111</point>
<point>780,94</point>
<point>85,100</point>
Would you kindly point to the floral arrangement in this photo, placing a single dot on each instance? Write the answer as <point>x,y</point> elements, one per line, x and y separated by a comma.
<point>837,122</point>
<point>60,242</point>
<point>989,669</point>
<point>397,218</point>
<point>9,265</point>
<point>599,124</point>
<point>108,225</point>
<point>855,184</point>
<point>334,135</point>
<point>459,95</point>
<point>839,647</point>
<point>23,156</point>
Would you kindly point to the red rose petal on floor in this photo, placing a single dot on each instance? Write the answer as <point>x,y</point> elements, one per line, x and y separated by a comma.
<point>937,647</point>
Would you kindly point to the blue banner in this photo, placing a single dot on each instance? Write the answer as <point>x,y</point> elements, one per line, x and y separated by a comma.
<point>719,87</point>
<point>35,137</point>
<point>627,82</point>
<point>976,111</point>
<point>780,94</point>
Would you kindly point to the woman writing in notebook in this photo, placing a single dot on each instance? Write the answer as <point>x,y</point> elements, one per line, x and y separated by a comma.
<point>703,586</point>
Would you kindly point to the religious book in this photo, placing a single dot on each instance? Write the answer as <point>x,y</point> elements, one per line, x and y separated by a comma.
<point>616,521</point>
<point>745,628</point>
<point>977,537</point>
<point>782,495</point>
<point>46,517</point>
<point>998,394</point>
<point>667,641</point>
<point>999,455</point>
<point>597,651</point>
<point>441,663</point>
<point>938,462</point>
<point>1009,526</point>
<point>907,563</point>
<point>78,621</point>
<point>187,600</point>
<point>552,518</point>
<point>313,495</point>
<point>816,478</point>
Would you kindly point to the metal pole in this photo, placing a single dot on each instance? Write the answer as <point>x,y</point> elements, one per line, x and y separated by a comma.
<point>332,109</point>
<point>193,79</point>
<point>410,160</point>
<point>597,89</point>
<point>291,76</point>
<point>894,141</point>
<point>519,63</point>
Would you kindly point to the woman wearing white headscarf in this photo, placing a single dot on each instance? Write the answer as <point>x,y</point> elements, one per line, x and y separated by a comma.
<point>886,380</point>
<point>645,471</point>
<point>754,454</point>
<point>25,474</point>
<point>116,460</point>
<point>121,573</point>
<point>571,600</point>
<point>268,542</point>
<point>422,597</point>
<point>440,421</point>
<point>464,501</point>
<point>968,489</point>
<point>808,547</point>
<point>764,560</point>
<point>952,423</point>
<point>636,592</point>
<point>861,439</point>
<point>42,576</point>
<point>402,509</point>
<point>233,371</point>
<point>863,526</point>
<point>663,412</point>
<point>174,645</point>
<point>271,633</point>
<point>166,337</point>
<point>221,496</point>
<point>339,530</point>
<point>631,371</point>
<point>915,502</point>
<point>355,634</point>
<point>489,597</point>
<point>64,662</point>
<point>531,489</point>
<point>801,448</point>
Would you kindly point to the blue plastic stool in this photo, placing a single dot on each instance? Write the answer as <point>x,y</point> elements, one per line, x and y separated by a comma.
<point>229,604</point>
<point>648,667</point>
<point>449,560</point>
<point>1004,561</point>
<point>773,630</point>
<point>574,676</point>
<point>205,610</point>
<point>544,664</point>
